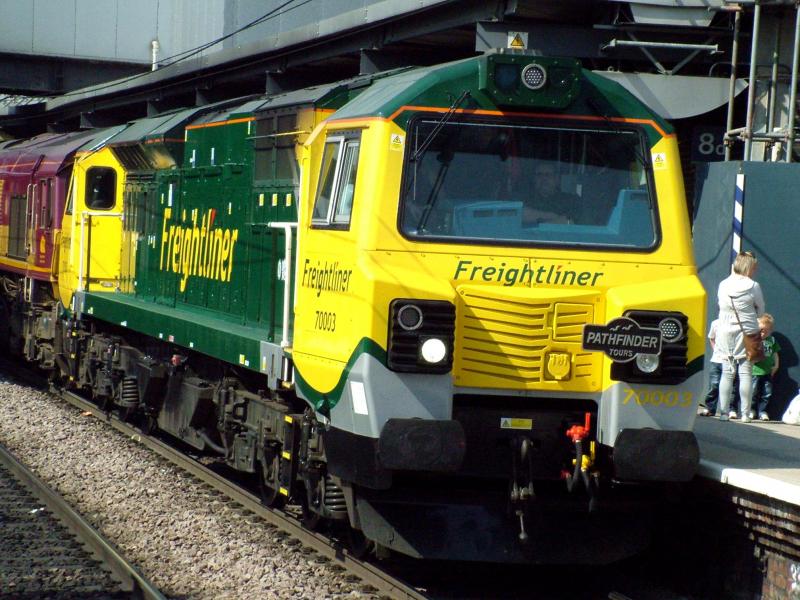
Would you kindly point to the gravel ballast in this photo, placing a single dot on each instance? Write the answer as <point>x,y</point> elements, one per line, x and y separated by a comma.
<point>177,531</point>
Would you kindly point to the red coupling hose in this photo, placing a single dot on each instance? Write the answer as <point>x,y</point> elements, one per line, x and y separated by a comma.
<point>578,433</point>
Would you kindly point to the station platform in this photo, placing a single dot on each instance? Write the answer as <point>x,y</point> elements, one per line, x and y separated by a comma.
<point>738,521</point>
<point>760,457</point>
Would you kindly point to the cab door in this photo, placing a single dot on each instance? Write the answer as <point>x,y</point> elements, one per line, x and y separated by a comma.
<point>91,237</point>
<point>42,231</point>
<point>327,272</point>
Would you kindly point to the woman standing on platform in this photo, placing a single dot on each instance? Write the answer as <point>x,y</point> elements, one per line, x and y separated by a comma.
<point>741,302</point>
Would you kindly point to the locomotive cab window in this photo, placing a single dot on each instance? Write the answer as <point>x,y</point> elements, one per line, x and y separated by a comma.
<point>543,184</point>
<point>101,187</point>
<point>333,205</point>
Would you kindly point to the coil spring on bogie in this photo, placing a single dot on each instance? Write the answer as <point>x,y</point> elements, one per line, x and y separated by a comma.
<point>129,394</point>
<point>335,504</point>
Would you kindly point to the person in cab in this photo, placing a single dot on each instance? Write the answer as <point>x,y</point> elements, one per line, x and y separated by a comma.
<point>548,203</point>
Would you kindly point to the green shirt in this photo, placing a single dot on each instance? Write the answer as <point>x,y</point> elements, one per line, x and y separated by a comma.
<point>765,366</point>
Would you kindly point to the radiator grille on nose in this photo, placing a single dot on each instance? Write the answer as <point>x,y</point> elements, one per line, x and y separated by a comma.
<point>504,338</point>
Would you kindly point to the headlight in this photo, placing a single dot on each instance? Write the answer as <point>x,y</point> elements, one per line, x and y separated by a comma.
<point>534,76</point>
<point>671,329</point>
<point>433,350</point>
<point>647,363</point>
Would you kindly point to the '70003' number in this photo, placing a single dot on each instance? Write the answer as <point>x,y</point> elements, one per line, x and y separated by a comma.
<point>325,321</point>
<point>658,397</point>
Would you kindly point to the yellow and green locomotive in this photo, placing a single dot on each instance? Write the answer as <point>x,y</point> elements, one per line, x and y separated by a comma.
<point>455,306</point>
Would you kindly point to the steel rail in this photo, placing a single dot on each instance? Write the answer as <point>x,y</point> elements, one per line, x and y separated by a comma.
<point>334,551</point>
<point>132,581</point>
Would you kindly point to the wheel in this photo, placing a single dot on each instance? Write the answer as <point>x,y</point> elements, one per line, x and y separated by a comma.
<point>360,545</point>
<point>104,403</point>
<point>149,424</point>
<point>127,413</point>
<point>310,519</point>
<point>55,377</point>
<point>269,479</point>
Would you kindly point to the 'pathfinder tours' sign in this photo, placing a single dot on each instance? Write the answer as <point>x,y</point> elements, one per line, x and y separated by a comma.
<point>622,339</point>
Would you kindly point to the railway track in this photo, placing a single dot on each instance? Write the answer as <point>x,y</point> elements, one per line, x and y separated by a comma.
<point>335,551</point>
<point>49,550</point>
<point>387,578</point>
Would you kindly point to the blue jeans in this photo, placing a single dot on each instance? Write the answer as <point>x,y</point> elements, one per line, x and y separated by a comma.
<point>712,395</point>
<point>762,392</point>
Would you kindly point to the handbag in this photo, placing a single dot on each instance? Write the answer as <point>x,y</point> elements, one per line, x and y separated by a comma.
<point>792,414</point>
<point>753,345</point>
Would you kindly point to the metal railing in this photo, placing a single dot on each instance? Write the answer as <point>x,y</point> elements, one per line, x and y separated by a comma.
<point>287,227</point>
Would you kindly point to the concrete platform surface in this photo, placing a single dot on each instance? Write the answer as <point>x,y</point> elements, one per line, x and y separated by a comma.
<point>762,457</point>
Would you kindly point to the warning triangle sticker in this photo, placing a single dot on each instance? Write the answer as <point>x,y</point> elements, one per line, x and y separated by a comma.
<point>517,42</point>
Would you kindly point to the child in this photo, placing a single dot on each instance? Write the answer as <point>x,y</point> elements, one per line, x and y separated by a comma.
<point>764,371</point>
<point>714,374</point>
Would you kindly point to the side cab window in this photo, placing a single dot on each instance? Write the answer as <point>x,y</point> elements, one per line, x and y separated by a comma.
<point>333,205</point>
<point>101,185</point>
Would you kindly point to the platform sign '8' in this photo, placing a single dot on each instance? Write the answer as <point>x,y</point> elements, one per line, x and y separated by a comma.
<point>707,144</point>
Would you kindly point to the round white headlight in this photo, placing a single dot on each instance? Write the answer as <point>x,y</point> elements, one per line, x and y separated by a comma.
<point>647,363</point>
<point>671,329</point>
<point>433,351</point>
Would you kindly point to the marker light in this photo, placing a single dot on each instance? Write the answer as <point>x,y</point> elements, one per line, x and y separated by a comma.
<point>506,77</point>
<point>534,76</point>
<point>647,363</point>
<point>409,317</point>
<point>671,329</point>
<point>433,350</point>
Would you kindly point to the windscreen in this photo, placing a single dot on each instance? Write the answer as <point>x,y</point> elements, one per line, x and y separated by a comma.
<point>493,182</point>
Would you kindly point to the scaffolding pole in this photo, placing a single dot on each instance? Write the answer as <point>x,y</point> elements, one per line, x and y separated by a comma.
<point>751,84</point>
<point>732,86</point>
<point>793,93</point>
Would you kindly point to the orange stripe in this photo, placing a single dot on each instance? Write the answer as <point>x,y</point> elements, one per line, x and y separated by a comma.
<point>241,120</point>
<point>21,265</point>
<point>88,153</point>
<point>361,123</point>
<point>218,123</point>
<point>30,164</point>
<point>470,111</point>
<point>165,140</point>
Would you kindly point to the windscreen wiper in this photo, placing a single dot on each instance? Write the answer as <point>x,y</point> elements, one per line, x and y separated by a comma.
<point>432,196</point>
<point>438,127</point>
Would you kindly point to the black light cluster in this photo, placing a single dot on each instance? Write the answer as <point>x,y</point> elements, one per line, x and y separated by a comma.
<point>670,367</point>
<point>421,334</point>
<point>520,79</point>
